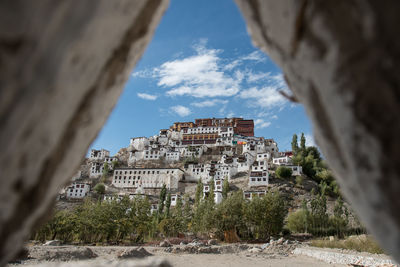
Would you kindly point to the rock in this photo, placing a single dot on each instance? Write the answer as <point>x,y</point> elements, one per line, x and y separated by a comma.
<point>212,242</point>
<point>183,243</point>
<point>254,250</point>
<point>331,238</point>
<point>264,246</point>
<point>209,250</point>
<point>243,247</point>
<point>320,48</point>
<point>165,244</point>
<point>62,79</point>
<point>66,253</point>
<point>134,253</point>
<point>280,241</point>
<point>196,244</point>
<point>52,243</point>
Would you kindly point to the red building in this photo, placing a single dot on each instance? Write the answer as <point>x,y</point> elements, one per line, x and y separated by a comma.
<point>240,125</point>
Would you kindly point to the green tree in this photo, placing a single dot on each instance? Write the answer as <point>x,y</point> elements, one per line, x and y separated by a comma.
<point>100,188</point>
<point>266,215</point>
<point>225,188</point>
<point>297,221</point>
<point>106,169</point>
<point>340,219</point>
<point>163,193</point>
<point>115,164</point>
<point>210,197</point>
<point>168,204</point>
<point>295,145</point>
<point>199,192</point>
<point>229,215</point>
<point>302,142</point>
<point>283,172</point>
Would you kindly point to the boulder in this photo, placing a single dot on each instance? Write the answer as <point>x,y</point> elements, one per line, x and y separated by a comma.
<point>212,242</point>
<point>52,243</point>
<point>165,244</point>
<point>134,253</point>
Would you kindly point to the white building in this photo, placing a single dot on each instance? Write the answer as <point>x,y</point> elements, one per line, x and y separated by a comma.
<point>249,195</point>
<point>99,154</point>
<point>151,155</point>
<point>296,170</point>
<point>78,190</point>
<point>263,156</point>
<point>195,172</point>
<point>96,169</point>
<point>286,160</point>
<point>174,199</point>
<point>153,208</point>
<point>258,178</point>
<point>147,177</point>
<point>172,156</point>
<point>218,183</point>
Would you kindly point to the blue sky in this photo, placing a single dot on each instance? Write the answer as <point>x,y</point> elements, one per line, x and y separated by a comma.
<point>201,63</point>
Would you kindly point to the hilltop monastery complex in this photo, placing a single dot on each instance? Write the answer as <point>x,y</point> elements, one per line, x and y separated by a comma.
<point>178,157</point>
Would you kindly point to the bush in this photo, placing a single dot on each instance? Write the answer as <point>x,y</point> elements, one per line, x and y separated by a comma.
<point>299,181</point>
<point>100,188</point>
<point>283,172</point>
<point>297,221</point>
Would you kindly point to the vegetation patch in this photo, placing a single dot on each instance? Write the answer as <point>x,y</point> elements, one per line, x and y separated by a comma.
<point>360,243</point>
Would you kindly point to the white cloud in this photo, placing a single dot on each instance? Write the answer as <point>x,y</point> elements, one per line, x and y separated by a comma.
<point>260,124</point>
<point>255,56</point>
<point>209,103</point>
<point>274,117</point>
<point>181,110</point>
<point>267,96</point>
<point>147,96</point>
<point>200,75</point>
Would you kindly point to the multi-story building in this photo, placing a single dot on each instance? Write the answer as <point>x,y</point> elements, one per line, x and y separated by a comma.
<point>78,190</point>
<point>217,190</point>
<point>147,177</point>
<point>285,160</point>
<point>99,154</point>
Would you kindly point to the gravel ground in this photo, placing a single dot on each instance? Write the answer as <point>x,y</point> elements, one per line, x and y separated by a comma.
<point>276,253</point>
<point>339,256</point>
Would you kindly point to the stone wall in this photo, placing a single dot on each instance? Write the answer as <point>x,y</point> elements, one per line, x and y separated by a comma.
<point>63,65</point>
<point>341,61</point>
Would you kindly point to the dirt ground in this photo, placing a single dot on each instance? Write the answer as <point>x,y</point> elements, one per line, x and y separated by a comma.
<point>66,256</point>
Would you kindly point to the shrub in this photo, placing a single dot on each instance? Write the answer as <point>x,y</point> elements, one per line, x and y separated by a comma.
<point>283,172</point>
<point>100,188</point>
<point>299,181</point>
<point>297,221</point>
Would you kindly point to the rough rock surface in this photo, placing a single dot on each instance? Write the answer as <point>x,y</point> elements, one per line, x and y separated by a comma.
<point>63,66</point>
<point>341,60</point>
<point>66,253</point>
<point>134,253</point>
